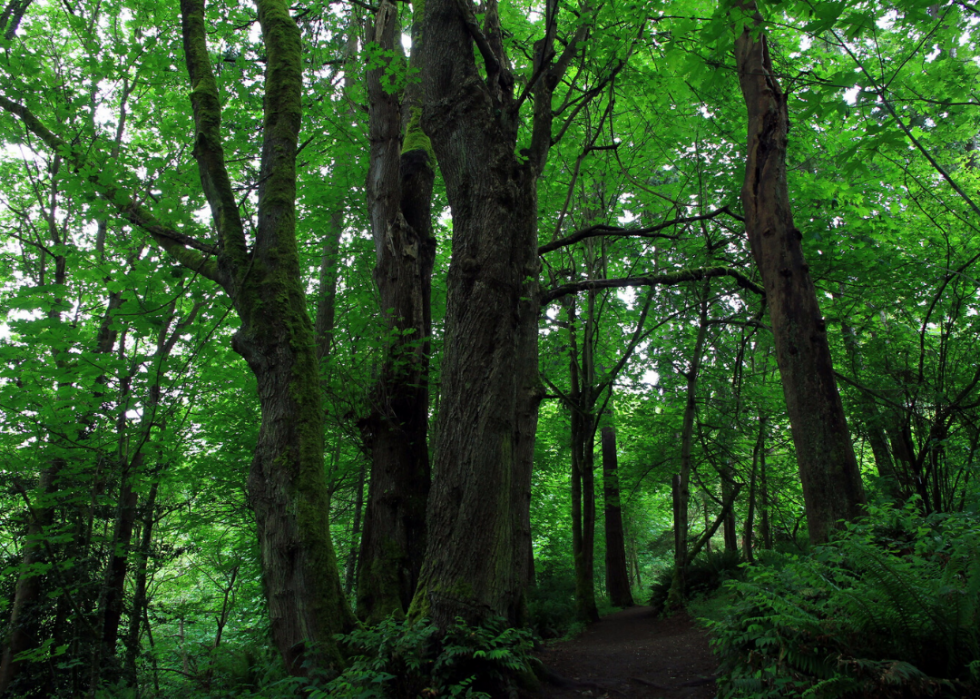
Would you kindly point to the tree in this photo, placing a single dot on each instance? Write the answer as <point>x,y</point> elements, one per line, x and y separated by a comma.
<point>287,482</point>
<point>400,179</point>
<point>831,479</point>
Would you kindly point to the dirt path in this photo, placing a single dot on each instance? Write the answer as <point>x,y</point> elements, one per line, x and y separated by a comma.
<point>632,654</point>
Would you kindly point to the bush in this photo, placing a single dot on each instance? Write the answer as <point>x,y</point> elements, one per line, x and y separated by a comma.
<point>705,574</point>
<point>552,612</point>
<point>396,660</point>
<point>890,609</point>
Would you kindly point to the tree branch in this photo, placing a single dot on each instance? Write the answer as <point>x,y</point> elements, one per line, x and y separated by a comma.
<point>620,232</point>
<point>469,19</point>
<point>687,275</point>
<point>182,247</point>
<point>208,151</point>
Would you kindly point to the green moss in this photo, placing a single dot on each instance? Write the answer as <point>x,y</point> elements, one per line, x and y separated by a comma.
<point>420,608</point>
<point>415,138</point>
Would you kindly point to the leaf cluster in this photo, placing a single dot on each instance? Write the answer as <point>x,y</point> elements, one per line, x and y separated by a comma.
<point>889,609</point>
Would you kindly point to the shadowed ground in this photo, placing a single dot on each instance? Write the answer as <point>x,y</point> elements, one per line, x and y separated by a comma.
<point>632,654</point>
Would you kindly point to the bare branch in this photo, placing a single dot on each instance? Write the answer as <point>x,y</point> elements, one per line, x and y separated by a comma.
<point>620,232</point>
<point>687,275</point>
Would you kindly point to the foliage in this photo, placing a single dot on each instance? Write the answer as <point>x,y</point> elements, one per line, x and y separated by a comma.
<point>705,574</point>
<point>401,660</point>
<point>551,601</point>
<point>889,609</point>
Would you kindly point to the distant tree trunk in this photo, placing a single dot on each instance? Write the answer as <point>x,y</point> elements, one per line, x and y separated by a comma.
<point>138,605</point>
<point>104,665</point>
<point>729,526</point>
<point>23,629</point>
<point>832,485</point>
<point>617,576</point>
<point>399,198</point>
<point>580,404</point>
<point>765,527</point>
<point>758,453</point>
<point>350,570</point>
<point>682,488</point>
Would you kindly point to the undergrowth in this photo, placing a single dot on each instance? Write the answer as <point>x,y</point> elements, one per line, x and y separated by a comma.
<point>888,610</point>
<point>396,660</point>
<point>705,574</point>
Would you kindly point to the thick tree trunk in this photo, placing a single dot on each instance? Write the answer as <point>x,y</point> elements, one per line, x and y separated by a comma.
<point>617,577</point>
<point>287,483</point>
<point>832,485</point>
<point>399,200</point>
<point>475,564</point>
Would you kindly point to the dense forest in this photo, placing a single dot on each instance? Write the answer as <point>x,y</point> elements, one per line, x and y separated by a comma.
<point>353,347</point>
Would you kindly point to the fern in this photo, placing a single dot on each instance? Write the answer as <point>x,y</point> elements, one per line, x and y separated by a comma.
<point>886,610</point>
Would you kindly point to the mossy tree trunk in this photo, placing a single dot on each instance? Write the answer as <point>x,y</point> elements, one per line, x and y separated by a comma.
<point>399,187</point>
<point>287,483</point>
<point>476,562</point>
<point>832,487</point>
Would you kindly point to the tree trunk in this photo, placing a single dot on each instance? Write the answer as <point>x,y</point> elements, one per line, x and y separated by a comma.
<point>350,569</point>
<point>583,480</point>
<point>617,577</point>
<point>139,586</point>
<point>24,617</point>
<point>399,199</point>
<point>476,559</point>
<point>682,488</point>
<point>729,527</point>
<point>287,484</point>
<point>832,485</point>
<point>104,666</point>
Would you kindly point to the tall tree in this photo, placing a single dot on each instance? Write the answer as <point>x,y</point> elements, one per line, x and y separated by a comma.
<point>617,575</point>
<point>399,189</point>
<point>287,485</point>
<point>831,479</point>
<point>476,562</point>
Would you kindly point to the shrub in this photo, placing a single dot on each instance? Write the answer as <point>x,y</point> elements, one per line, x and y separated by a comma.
<point>552,611</point>
<point>396,660</point>
<point>705,574</point>
<point>890,609</point>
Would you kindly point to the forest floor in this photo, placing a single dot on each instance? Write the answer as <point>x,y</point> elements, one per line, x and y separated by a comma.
<point>632,653</point>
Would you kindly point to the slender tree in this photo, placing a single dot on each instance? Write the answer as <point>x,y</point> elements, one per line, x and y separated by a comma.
<point>832,485</point>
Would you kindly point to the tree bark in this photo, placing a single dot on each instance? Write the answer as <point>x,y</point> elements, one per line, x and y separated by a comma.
<point>476,559</point>
<point>399,199</point>
<point>139,586</point>
<point>583,481</point>
<point>287,483</point>
<point>832,485</point>
<point>729,526</point>
<point>617,576</point>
